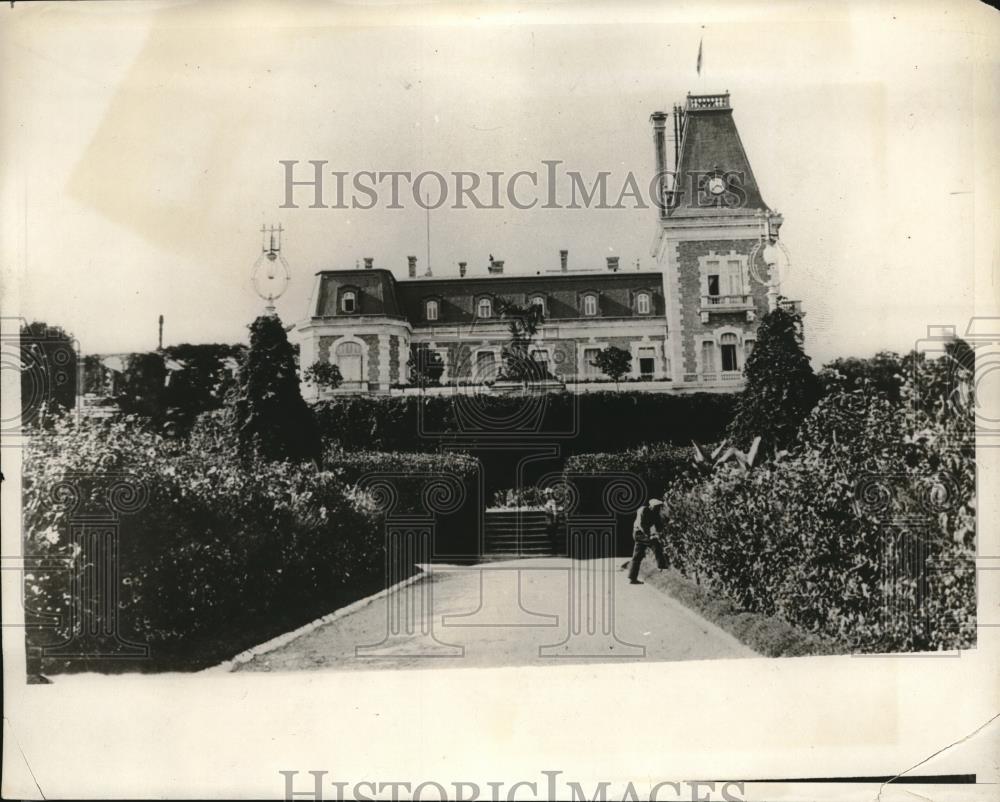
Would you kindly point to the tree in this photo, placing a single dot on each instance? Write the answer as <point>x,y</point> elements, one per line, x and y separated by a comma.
<point>204,380</point>
<point>48,371</point>
<point>426,366</point>
<point>206,377</point>
<point>522,323</point>
<point>884,372</point>
<point>613,362</point>
<point>270,419</point>
<point>143,387</point>
<point>781,388</point>
<point>324,375</point>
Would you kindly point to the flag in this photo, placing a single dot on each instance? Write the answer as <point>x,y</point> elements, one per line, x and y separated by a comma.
<point>699,55</point>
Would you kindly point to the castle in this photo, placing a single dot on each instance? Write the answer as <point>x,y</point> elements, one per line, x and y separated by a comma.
<point>689,324</point>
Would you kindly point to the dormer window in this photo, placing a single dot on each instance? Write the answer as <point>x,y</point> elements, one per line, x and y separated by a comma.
<point>349,302</point>
<point>431,310</point>
<point>643,303</point>
<point>590,305</point>
<point>539,301</point>
<point>484,308</point>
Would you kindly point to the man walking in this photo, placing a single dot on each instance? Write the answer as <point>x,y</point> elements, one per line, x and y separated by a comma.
<point>646,533</point>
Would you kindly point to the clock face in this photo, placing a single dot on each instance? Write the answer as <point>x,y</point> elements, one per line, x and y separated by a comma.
<point>716,185</point>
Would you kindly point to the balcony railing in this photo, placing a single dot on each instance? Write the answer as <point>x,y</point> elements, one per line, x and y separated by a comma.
<point>727,376</point>
<point>708,101</point>
<point>719,302</point>
<point>794,307</point>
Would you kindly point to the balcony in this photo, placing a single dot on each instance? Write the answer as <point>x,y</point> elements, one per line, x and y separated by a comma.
<point>725,303</point>
<point>730,377</point>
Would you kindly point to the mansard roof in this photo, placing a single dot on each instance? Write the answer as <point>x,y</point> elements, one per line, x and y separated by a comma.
<point>710,143</point>
<point>379,292</point>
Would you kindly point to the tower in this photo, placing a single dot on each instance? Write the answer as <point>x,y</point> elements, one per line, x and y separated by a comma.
<point>712,229</point>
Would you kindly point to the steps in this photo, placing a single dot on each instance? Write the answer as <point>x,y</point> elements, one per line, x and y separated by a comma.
<point>514,534</point>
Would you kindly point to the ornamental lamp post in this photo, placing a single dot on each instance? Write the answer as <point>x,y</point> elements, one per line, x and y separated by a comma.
<point>270,275</point>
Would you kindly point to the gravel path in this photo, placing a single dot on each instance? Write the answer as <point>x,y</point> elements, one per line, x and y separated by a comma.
<point>508,613</point>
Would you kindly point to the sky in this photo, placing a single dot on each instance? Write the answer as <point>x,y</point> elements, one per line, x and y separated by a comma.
<point>142,142</point>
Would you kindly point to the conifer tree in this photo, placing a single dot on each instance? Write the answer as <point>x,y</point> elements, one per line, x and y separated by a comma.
<point>270,417</point>
<point>781,388</point>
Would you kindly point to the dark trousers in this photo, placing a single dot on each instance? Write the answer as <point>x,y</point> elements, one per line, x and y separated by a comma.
<point>640,551</point>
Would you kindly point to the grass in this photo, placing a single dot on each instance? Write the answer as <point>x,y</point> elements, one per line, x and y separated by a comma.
<point>767,635</point>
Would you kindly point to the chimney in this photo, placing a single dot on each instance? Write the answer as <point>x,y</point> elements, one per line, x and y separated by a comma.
<point>496,267</point>
<point>160,346</point>
<point>563,260</point>
<point>412,260</point>
<point>369,262</point>
<point>613,264</point>
<point>659,120</point>
<point>461,268</point>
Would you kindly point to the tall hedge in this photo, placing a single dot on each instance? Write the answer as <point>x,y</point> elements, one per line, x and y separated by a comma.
<point>581,423</point>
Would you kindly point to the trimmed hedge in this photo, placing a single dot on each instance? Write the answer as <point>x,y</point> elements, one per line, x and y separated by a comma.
<point>657,466</point>
<point>582,423</point>
<point>422,486</point>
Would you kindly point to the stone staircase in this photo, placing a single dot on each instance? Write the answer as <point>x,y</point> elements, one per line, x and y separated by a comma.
<point>514,534</point>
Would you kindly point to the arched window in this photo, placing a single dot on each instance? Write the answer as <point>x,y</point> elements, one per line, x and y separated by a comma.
<point>349,302</point>
<point>727,348</point>
<point>537,300</point>
<point>642,303</point>
<point>431,310</point>
<point>589,305</point>
<point>349,361</point>
<point>484,308</point>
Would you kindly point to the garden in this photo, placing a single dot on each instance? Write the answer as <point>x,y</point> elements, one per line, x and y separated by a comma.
<point>840,505</point>
<point>229,530</point>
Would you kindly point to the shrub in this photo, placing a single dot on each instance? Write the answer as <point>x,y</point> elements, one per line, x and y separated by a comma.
<point>530,496</point>
<point>323,375</point>
<point>883,373</point>
<point>219,557</point>
<point>864,532</point>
